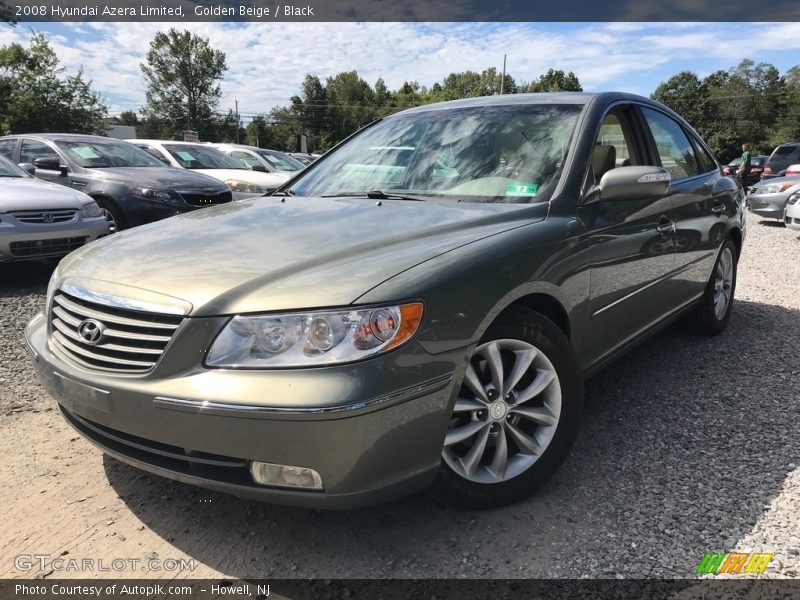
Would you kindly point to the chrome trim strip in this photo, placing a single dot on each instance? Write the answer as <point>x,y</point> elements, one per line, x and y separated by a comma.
<point>118,302</point>
<point>249,410</point>
<point>661,279</point>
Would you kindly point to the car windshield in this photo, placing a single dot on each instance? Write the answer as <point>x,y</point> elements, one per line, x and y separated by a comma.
<point>9,169</point>
<point>758,161</point>
<point>191,156</point>
<point>281,162</point>
<point>479,154</point>
<point>103,154</point>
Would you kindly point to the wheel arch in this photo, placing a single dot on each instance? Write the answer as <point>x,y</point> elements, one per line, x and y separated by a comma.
<point>545,304</point>
<point>735,234</point>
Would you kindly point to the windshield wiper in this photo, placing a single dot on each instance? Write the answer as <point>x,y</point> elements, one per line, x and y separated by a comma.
<point>289,192</point>
<point>375,195</point>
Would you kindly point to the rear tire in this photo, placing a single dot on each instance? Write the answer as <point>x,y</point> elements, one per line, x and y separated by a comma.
<point>501,445</point>
<point>711,316</point>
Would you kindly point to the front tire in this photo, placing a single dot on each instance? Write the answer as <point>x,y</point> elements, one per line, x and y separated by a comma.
<point>711,316</point>
<point>516,415</point>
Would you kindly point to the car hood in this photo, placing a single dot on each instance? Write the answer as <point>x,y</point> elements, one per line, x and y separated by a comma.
<point>269,254</point>
<point>31,194</point>
<point>161,178</point>
<point>267,180</point>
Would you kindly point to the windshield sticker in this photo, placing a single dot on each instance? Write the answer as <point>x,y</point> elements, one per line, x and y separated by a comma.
<point>184,155</point>
<point>515,188</point>
<point>85,152</point>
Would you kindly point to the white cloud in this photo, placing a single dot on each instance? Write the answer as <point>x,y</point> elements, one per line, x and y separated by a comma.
<point>268,61</point>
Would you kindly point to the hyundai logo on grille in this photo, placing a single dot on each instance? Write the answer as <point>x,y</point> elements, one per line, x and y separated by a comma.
<point>91,331</point>
<point>47,217</point>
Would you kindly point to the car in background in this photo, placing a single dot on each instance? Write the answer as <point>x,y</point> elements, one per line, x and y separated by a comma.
<point>130,186</point>
<point>757,164</point>
<point>792,215</point>
<point>262,159</point>
<point>43,220</point>
<point>769,198</point>
<point>204,158</point>
<point>781,158</point>
<point>304,157</point>
<point>349,345</point>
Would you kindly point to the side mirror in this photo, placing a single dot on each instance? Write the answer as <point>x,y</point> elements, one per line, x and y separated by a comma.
<point>259,168</point>
<point>50,163</point>
<point>29,168</point>
<point>634,183</point>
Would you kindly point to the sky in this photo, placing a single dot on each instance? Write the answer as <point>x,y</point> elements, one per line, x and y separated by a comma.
<point>267,62</point>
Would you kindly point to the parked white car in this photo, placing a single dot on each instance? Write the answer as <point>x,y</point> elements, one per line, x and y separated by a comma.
<point>42,220</point>
<point>271,161</point>
<point>204,158</point>
<point>791,216</point>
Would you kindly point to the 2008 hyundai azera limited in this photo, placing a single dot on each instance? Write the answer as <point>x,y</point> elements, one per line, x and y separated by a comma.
<point>419,307</point>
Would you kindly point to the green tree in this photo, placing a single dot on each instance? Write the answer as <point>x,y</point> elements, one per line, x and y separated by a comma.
<point>555,80</point>
<point>182,74</point>
<point>686,95</point>
<point>36,95</point>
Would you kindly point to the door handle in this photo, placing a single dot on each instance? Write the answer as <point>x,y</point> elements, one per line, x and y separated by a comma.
<point>718,208</point>
<point>665,226</point>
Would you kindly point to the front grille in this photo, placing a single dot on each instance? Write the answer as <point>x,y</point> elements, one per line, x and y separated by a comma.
<point>46,247</point>
<point>45,216</point>
<point>207,198</point>
<point>129,341</point>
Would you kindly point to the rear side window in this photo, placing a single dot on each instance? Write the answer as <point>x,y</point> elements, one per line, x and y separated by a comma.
<point>704,159</point>
<point>7,148</point>
<point>674,149</point>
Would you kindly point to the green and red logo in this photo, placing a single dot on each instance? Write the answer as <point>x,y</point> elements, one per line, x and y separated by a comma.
<point>734,563</point>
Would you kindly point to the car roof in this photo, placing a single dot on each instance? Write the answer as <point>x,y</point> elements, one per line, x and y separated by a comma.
<point>65,137</point>
<point>180,142</point>
<point>242,146</point>
<point>573,98</point>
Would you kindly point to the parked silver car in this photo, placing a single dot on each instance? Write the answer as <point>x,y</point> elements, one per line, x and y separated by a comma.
<point>792,215</point>
<point>39,219</point>
<point>768,199</point>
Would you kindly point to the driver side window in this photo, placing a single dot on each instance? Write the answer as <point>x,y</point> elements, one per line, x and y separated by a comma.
<point>614,146</point>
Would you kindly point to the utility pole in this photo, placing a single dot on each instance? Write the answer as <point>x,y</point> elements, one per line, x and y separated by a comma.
<point>236,101</point>
<point>503,78</point>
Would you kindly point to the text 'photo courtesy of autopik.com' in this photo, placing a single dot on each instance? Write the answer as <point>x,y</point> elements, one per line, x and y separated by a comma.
<point>368,299</point>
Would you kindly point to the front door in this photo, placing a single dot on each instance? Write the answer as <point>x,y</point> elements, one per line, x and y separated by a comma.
<point>631,243</point>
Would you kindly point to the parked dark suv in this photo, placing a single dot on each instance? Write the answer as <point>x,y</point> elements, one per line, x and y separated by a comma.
<point>781,158</point>
<point>419,306</point>
<point>130,186</point>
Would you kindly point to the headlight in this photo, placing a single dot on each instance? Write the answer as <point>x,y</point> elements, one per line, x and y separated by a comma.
<point>776,188</point>
<point>163,195</point>
<point>51,289</point>
<point>237,185</point>
<point>313,338</point>
<point>794,198</point>
<point>91,211</point>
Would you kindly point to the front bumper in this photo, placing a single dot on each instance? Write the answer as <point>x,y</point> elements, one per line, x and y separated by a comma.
<point>770,206</point>
<point>375,433</point>
<point>23,241</point>
<point>792,216</point>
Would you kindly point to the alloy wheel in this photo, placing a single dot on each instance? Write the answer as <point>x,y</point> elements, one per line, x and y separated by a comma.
<point>506,413</point>
<point>722,283</point>
<point>112,223</point>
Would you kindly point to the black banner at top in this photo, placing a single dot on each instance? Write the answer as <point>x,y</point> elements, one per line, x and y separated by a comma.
<point>400,10</point>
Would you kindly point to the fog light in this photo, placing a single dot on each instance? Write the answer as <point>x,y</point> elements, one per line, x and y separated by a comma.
<point>285,476</point>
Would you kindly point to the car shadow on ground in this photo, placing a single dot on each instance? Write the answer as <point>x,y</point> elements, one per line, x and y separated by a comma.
<point>685,442</point>
<point>25,276</point>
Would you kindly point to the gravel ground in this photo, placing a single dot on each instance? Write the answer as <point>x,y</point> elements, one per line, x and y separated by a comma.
<point>690,444</point>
